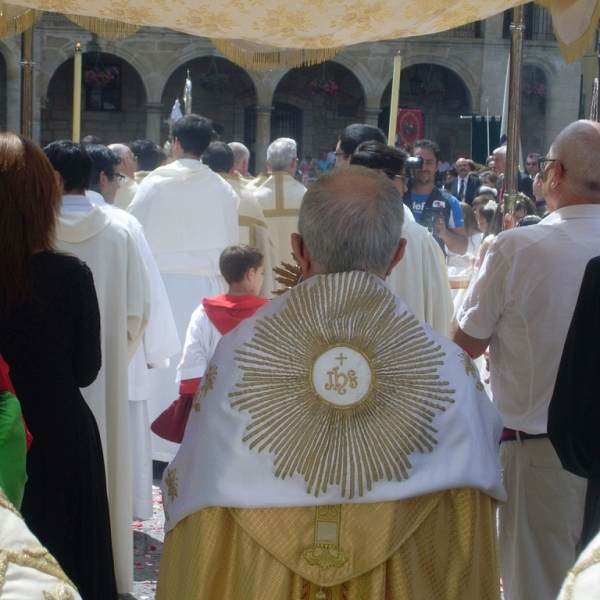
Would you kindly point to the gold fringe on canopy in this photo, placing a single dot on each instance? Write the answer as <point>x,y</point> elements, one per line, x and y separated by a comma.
<point>106,28</point>
<point>567,14</point>
<point>15,20</point>
<point>272,58</point>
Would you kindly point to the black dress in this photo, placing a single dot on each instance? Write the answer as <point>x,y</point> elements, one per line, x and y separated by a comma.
<point>52,345</point>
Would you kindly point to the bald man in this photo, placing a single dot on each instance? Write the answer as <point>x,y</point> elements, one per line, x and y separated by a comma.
<point>521,307</point>
<point>340,449</point>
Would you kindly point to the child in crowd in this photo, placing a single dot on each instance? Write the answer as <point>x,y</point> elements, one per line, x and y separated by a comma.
<point>243,269</point>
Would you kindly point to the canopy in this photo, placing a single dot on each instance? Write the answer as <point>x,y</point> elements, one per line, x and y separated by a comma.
<point>321,25</point>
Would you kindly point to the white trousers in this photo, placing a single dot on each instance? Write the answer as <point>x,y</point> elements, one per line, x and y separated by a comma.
<point>540,523</point>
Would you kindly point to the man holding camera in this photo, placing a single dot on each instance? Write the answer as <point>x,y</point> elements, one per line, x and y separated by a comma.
<point>434,208</point>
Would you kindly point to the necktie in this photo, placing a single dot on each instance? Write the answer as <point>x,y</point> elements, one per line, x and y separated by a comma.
<point>461,191</point>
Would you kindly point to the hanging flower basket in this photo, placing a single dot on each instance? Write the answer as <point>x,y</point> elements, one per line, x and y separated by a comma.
<point>99,76</point>
<point>323,85</point>
<point>433,88</point>
<point>213,82</point>
<point>534,91</point>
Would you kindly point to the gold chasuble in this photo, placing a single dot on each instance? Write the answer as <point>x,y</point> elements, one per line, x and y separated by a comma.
<point>338,449</point>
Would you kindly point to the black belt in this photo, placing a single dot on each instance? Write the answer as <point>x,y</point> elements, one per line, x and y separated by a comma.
<point>509,435</point>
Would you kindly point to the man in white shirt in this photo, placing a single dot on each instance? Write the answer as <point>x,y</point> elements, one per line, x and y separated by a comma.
<point>110,250</point>
<point>521,306</point>
<point>189,215</point>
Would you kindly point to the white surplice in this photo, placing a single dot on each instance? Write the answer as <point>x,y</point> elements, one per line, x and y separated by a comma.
<point>122,287</point>
<point>189,216</point>
<point>159,344</point>
<point>420,279</point>
<point>333,393</point>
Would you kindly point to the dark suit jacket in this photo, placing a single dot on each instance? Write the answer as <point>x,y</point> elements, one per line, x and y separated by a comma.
<point>525,185</point>
<point>473,184</point>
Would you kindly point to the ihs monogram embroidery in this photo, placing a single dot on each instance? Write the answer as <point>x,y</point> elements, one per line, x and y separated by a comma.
<point>340,389</point>
<point>338,380</point>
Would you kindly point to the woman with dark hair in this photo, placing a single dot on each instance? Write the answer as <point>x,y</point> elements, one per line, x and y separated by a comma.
<point>50,338</point>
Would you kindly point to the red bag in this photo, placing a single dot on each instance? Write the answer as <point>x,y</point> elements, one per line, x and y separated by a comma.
<point>170,424</point>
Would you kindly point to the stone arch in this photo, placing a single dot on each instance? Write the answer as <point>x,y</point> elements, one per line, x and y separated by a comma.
<point>324,115</point>
<point>113,122</point>
<point>145,70</point>
<point>443,97</point>
<point>221,91</point>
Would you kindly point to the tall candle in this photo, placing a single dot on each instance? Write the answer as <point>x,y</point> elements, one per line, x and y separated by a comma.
<point>395,99</point>
<point>77,94</point>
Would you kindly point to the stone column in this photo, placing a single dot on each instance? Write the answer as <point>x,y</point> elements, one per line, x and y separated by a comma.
<point>263,136</point>
<point>372,116</point>
<point>153,114</point>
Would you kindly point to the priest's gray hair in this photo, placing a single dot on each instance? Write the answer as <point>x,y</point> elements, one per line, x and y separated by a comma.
<point>281,153</point>
<point>240,152</point>
<point>577,147</point>
<point>351,220</point>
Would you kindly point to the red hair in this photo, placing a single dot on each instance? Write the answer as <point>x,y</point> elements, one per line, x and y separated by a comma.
<point>29,204</point>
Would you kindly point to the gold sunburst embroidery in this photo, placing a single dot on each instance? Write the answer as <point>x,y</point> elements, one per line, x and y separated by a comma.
<point>208,382</point>
<point>470,369</point>
<point>172,483</point>
<point>350,446</point>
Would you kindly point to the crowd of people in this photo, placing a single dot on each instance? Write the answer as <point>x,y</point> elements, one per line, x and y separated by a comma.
<point>329,433</point>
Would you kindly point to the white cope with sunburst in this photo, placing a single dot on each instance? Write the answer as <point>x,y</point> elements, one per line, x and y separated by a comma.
<point>340,389</point>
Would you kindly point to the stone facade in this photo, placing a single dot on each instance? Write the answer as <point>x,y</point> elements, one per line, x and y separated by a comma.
<point>254,107</point>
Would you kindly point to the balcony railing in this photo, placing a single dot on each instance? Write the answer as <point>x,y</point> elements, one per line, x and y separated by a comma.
<point>538,23</point>
<point>470,30</point>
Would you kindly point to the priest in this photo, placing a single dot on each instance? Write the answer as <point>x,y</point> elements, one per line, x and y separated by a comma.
<point>337,448</point>
<point>189,216</point>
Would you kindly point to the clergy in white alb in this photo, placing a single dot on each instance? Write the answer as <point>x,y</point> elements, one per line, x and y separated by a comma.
<point>420,278</point>
<point>159,343</point>
<point>220,158</point>
<point>189,216</point>
<point>336,447</point>
<point>280,196</point>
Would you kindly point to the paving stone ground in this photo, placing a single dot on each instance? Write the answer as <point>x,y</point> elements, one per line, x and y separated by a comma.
<point>148,537</point>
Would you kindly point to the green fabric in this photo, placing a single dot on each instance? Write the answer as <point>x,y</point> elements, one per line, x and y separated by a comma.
<point>13,473</point>
<point>479,139</point>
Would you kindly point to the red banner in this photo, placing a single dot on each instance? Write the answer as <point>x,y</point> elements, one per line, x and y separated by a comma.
<point>409,126</point>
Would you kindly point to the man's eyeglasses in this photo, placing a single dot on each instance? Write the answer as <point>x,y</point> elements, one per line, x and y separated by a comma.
<point>403,177</point>
<point>542,162</point>
<point>340,154</point>
<point>532,164</point>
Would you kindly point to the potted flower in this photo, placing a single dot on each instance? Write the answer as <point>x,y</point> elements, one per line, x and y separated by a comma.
<point>534,91</point>
<point>212,82</point>
<point>323,85</point>
<point>433,87</point>
<point>99,76</point>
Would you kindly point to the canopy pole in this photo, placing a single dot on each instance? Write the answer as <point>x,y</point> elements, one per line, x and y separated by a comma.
<point>76,130</point>
<point>394,101</point>
<point>27,65</point>
<point>517,28</point>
